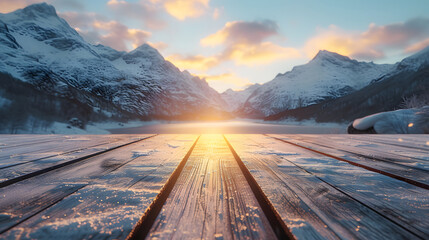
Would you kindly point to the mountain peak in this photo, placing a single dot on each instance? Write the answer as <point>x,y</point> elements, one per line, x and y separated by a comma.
<point>415,61</point>
<point>326,55</point>
<point>145,51</point>
<point>40,10</point>
<point>144,47</point>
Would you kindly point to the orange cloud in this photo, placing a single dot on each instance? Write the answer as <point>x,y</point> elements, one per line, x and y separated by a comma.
<point>216,13</point>
<point>182,9</point>
<point>98,29</point>
<point>118,36</point>
<point>214,39</point>
<point>242,32</point>
<point>341,42</point>
<point>263,53</point>
<point>7,6</point>
<point>417,46</point>
<point>148,13</point>
<point>245,43</point>
<point>158,45</point>
<point>372,43</point>
<point>197,62</point>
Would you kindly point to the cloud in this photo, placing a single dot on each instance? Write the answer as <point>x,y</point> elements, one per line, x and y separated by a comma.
<point>118,36</point>
<point>70,4</point>
<point>148,13</point>
<point>417,46</point>
<point>398,34</point>
<point>97,29</point>
<point>246,43</point>
<point>372,43</point>
<point>258,54</point>
<point>196,62</point>
<point>158,45</point>
<point>216,13</point>
<point>82,20</point>
<point>7,6</point>
<point>182,9</point>
<point>242,32</point>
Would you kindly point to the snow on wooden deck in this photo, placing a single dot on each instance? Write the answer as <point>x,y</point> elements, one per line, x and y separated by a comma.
<point>101,197</point>
<point>321,186</point>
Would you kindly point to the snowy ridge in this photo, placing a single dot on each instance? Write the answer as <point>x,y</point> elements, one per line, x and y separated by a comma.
<point>328,75</point>
<point>235,99</point>
<point>40,48</point>
<point>416,61</point>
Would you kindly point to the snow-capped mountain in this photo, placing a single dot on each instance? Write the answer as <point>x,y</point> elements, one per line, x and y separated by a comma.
<point>328,75</point>
<point>38,47</point>
<point>406,86</point>
<point>415,61</point>
<point>236,99</point>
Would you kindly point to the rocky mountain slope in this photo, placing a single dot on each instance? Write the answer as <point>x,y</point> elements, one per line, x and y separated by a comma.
<point>327,76</point>
<point>40,48</point>
<point>408,80</point>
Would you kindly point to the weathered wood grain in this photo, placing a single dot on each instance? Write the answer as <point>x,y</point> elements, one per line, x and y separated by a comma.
<point>16,167</point>
<point>395,200</point>
<point>211,199</point>
<point>114,188</point>
<point>318,197</point>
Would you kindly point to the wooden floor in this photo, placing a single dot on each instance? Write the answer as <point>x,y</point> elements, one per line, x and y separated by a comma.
<point>238,186</point>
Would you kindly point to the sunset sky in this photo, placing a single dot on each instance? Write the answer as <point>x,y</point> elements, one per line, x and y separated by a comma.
<point>235,43</point>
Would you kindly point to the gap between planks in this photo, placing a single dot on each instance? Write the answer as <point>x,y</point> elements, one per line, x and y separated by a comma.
<point>273,220</point>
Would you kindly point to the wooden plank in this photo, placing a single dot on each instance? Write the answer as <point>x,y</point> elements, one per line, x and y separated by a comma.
<point>211,199</point>
<point>56,146</point>
<point>412,170</point>
<point>397,154</point>
<point>133,185</point>
<point>323,198</point>
<point>17,167</point>
<point>19,140</point>
<point>413,141</point>
<point>397,149</point>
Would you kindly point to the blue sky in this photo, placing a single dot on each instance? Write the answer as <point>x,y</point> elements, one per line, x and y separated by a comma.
<point>237,43</point>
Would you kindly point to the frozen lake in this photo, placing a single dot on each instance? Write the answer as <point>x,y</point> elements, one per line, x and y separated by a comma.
<point>235,126</point>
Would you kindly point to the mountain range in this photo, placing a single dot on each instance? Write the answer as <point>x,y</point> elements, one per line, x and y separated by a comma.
<point>408,80</point>
<point>327,76</point>
<point>40,48</point>
<point>316,90</point>
<point>49,72</point>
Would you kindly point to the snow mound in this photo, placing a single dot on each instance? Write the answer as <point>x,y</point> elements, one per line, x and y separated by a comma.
<point>403,121</point>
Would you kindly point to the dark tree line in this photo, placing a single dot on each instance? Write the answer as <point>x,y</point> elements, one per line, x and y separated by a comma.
<point>25,106</point>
